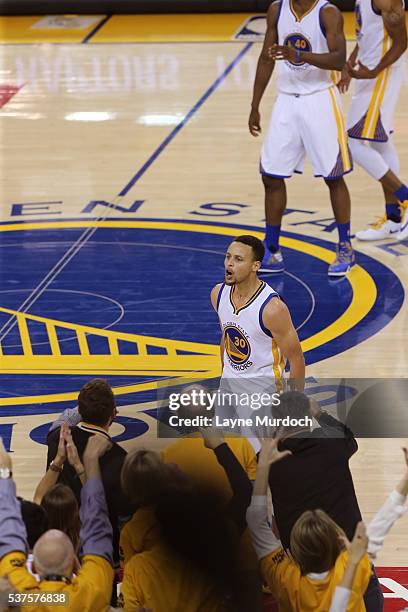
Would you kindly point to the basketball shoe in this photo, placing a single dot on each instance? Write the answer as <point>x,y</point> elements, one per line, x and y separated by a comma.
<point>403,233</point>
<point>383,228</point>
<point>272,262</point>
<point>345,260</point>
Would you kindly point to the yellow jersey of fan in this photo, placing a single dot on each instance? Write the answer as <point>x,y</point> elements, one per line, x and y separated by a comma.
<point>305,33</point>
<point>250,351</point>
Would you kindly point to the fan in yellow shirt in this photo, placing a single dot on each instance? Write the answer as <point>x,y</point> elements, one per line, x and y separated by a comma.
<point>160,580</point>
<point>78,594</point>
<point>191,456</point>
<point>86,588</point>
<point>193,565</point>
<point>319,560</point>
<point>312,592</point>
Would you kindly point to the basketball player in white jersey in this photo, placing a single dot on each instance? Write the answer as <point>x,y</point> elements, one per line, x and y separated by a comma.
<point>306,118</point>
<point>257,331</point>
<point>379,72</point>
<point>257,334</point>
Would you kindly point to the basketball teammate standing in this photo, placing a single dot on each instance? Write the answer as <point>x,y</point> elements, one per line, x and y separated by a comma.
<point>379,72</point>
<point>306,118</point>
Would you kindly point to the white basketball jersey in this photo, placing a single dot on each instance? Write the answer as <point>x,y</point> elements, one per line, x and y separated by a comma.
<point>306,34</point>
<point>372,37</point>
<point>250,350</point>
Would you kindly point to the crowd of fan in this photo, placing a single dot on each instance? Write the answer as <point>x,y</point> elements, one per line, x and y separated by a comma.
<point>189,529</point>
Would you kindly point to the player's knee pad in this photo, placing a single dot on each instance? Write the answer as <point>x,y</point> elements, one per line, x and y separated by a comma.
<point>368,158</point>
<point>389,153</point>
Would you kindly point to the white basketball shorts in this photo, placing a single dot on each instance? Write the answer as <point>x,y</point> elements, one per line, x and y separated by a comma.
<point>311,124</point>
<point>372,108</point>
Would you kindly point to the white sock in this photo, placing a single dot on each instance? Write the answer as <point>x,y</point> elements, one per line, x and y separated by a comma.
<point>369,159</point>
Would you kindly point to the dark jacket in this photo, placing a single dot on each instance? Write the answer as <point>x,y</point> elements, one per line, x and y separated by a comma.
<point>111,465</point>
<point>316,475</point>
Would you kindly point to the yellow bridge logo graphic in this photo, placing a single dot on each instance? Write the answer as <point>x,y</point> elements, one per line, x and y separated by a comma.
<point>233,351</point>
<point>178,358</point>
<point>236,345</point>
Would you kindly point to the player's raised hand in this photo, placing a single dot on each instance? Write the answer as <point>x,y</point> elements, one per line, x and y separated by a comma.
<point>254,122</point>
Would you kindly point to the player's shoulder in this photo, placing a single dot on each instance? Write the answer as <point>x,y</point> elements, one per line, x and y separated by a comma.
<point>328,6</point>
<point>330,11</point>
<point>274,310</point>
<point>275,304</point>
<point>273,11</point>
<point>389,6</point>
<point>215,292</point>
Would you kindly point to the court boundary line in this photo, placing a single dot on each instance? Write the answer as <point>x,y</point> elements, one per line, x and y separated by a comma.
<point>96,29</point>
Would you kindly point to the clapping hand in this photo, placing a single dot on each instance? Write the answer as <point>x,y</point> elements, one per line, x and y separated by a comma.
<point>61,455</point>
<point>97,446</point>
<point>270,453</point>
<point>72,452</point>
<point>212,437</point>
<point>357,548</point>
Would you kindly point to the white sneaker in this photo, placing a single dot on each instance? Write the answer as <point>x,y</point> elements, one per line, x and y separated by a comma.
<point>383,228</point>
<point>403,233</point>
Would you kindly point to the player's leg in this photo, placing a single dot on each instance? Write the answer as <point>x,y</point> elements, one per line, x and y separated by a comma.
<point>324,134</point>
<point>370,156</point>
<point>282,151</point>
<point>275,204</point>
<point>370,127</point>
<point>389,153</point>
<point>341,204</point>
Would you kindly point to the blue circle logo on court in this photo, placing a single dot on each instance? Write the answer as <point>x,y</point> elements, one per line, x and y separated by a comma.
<point>131,304</point>
<point>236,345</point>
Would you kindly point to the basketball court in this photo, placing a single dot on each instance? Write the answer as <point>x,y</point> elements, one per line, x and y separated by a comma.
<point>127,170</point>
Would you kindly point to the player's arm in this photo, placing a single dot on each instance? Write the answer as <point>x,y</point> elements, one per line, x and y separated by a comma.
<point>215,292</point>
<point>346,77</point>
<point>264,68</point>
<point>333,22</point>
<point>277,319</point>
<point>394,22</point>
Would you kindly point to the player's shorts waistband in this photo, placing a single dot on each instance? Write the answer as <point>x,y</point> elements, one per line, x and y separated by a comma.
<point>303,95</point>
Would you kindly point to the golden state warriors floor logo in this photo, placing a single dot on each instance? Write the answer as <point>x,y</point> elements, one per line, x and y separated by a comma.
<point>129,300</point>
<point>237,346</point>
